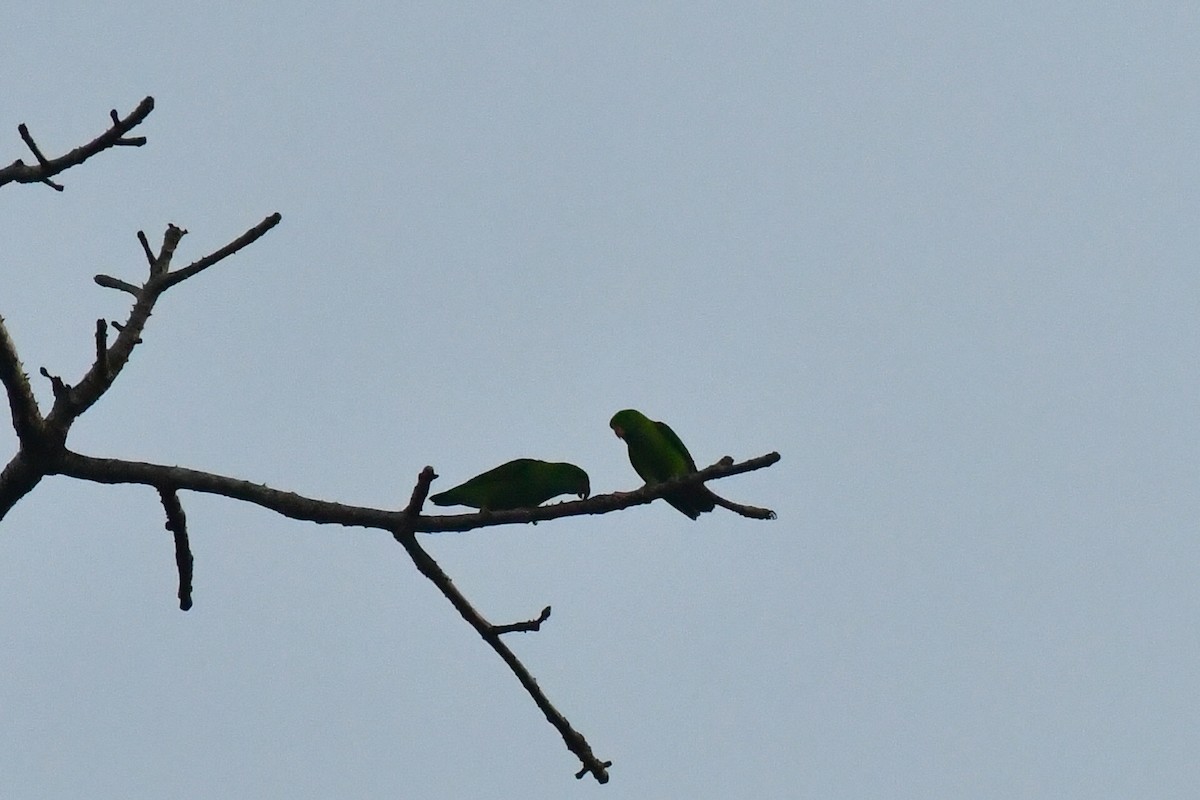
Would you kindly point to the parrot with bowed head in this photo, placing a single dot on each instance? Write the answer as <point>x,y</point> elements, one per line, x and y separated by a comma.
<point>657,455</point>
<point>522,483</point>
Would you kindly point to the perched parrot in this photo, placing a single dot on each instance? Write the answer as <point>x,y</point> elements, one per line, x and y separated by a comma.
<point>523,483</point>
<point>657,455</point>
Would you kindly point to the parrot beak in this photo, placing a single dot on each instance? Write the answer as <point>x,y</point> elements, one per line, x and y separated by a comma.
<point>618,431</point>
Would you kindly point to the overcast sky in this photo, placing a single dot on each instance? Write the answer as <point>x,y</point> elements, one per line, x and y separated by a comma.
<point>942,257</point>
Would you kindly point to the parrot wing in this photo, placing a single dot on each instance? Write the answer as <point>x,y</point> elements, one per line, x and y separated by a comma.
<point>658,454</point>
<point>676,444</point>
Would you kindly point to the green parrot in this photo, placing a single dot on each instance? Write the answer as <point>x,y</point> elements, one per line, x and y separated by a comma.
<point>523,483</point>
<point>658,455</point>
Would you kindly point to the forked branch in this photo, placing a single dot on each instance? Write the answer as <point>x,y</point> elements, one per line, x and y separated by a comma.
<point>43,439</point>
<point>46,168</point>
<point>490,633</point>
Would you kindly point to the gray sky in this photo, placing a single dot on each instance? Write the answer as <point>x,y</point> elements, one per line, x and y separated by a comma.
<point>941,258</point>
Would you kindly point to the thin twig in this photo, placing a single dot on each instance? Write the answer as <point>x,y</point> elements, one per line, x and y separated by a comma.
<point>529,626</point>
<point>23,130</point>
<point>109,282</point>
<point>150,258</point>
<point>753,512</point>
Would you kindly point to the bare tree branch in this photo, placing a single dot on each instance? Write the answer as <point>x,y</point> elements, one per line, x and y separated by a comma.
<point>295,506</point>
<point>46,168</point>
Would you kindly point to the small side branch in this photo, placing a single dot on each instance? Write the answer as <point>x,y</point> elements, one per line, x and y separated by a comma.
<point>109,282</point>
<point>417,500</point>
<point>753,512</point>
<point>46,168</point>
<point>428,567</point>
<point>177,524</point>
<point>150,257</point>
<point>529,626</point>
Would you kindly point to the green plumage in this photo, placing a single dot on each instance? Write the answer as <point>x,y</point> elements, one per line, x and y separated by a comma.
<point>523,483</point>
<point>657,455</point>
